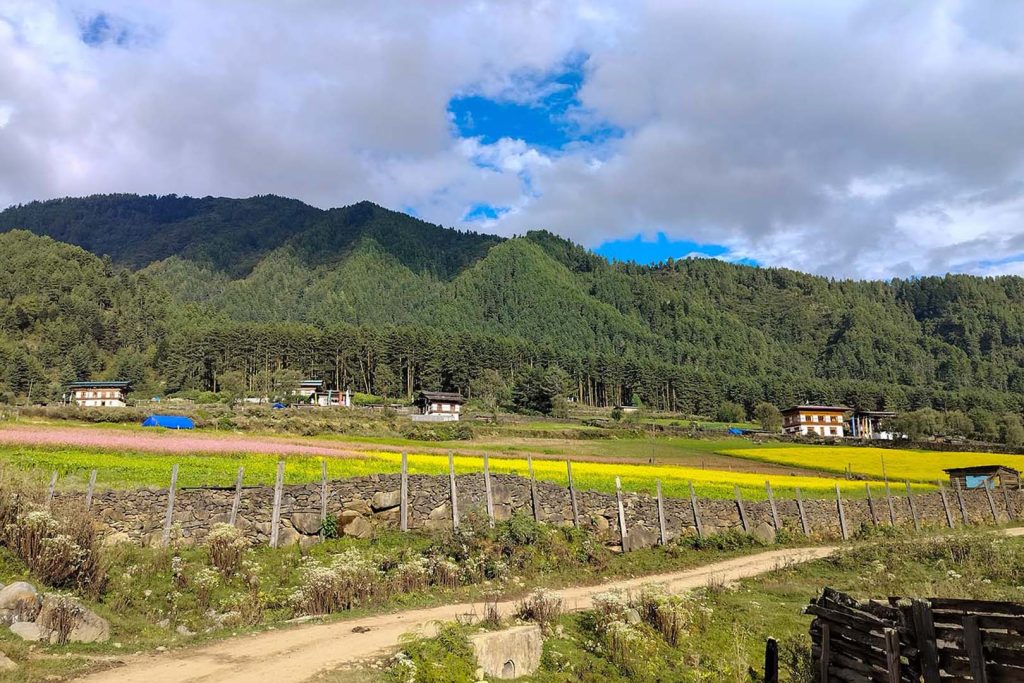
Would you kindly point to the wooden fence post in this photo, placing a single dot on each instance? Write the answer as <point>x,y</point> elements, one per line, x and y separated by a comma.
<point>771,505</point>
<point>913,507</point>
<point>89,491</point>
<point>403,511</point>
<point>622,513</point>
<point>945,506</point>
<point>169,517</point>
<point>237,502</point>
<point>871,505</point>
<point>771,661</point>
<point>1011,513</point>
<point>892,654</point>
<point>488,494</point>
<point>275,517</point>
<point>572,495</point>
<point>991,503</point>
<point>742,510</point>
<point>960,502</point>
<point>928,652</point>
<point>323,497</point>
<point>973,647</point>
<point>888,500</point>
<point>453,493</point>
<point>533,489</point>
<point>842,514</point>
<point>663,537</point>
<point>826,653</point>
<point>803,515</point>
<point>52,488</point>
<point>695,507</point>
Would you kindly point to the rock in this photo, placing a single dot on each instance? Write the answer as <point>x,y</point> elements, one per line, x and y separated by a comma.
<point>764,532</point>
<point>632,616</point>
<point>638,538</point>
<point>502,512</point>
<point>19,602</point>
<point>89,627</point>
<point>501,494</point>
<point>359,527</point>
<point>287,537</point>
<point>346,517</point>
<point>183,630</point>
<point>385,500</point>
<point>359,506</point>
<point>307,523</point>
<point>6,663</point>
<point>509,654</point>
<point>27,630</point>
<point>600,523</point>
<point>307,542</point>
<point>117,538</point>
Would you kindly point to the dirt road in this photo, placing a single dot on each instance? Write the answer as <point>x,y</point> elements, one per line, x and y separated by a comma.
<point>299,653</point>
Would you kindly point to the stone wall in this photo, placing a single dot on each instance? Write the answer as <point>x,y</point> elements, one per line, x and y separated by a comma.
<point>364,504</point>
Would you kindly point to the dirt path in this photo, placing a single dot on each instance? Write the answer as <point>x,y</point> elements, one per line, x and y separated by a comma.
<point>299,653</point>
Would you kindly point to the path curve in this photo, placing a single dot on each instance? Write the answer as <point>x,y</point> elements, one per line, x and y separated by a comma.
<point>296,654</point>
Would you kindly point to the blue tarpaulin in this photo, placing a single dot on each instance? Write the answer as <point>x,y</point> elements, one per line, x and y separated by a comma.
<point>278,406</point>
<point>736,431</point>
<point>169,422</point>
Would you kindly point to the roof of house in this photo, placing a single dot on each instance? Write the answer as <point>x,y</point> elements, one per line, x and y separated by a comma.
<point>838,409</point>
<point>980,469</point>
<point>875,413</point>
<point>114,384</point>
<point>311,383</point>
<point>447,396</point>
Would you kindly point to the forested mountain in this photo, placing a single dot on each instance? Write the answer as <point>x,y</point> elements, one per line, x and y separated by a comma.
<point>182,292</point>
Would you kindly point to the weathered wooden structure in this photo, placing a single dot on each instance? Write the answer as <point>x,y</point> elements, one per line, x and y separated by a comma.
<point>438,406</point>
<point>935,640</point>
<point>981,476</point>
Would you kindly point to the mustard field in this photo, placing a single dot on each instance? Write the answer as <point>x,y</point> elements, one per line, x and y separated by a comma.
<point>898,464</point>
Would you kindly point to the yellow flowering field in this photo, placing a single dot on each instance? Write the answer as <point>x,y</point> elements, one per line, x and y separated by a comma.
<point>674,480</point>
<point>900,464</point>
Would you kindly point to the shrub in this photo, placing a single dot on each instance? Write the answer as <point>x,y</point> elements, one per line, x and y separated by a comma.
<point>349,580</point>
<point>330,526</point>
<point>62,551</point>
<point>666,614</point>
<point>542,607</point>
<point>226,546</point>
<point>60,617</point>
<point>446,658</point>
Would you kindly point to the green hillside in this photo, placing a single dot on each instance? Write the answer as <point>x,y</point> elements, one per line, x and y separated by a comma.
<point>388,303</point>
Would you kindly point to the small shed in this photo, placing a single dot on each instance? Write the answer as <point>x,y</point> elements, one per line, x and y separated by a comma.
<point>169,422</point>
<point>981,476</point>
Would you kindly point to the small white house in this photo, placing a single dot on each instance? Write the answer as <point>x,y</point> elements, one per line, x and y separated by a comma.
<point>438,406</point>
<point>100,394</point>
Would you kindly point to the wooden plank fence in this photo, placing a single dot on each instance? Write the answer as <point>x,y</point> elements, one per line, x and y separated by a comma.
<point>939,640</point>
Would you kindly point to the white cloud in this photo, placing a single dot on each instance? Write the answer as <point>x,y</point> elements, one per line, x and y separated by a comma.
<point>863,138</point>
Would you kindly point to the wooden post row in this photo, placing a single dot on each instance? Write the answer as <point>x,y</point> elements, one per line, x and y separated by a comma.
<point>52,488</point>
<point>488,495</point>
<point>169,517</point>
<point>452,491</point>
<point>403,511</point>
<point>871,505</point>
<point>572,495</point>
<point>533,489</point>
<point>991,503</point>
<point>622,513</point>
<point>771,505</point>
<point>913,507</point>
<point>842,514</point>
<point>275,518</point>
<point>742,510</point>
<point>695,507</point>
<point>888,500</point>
<point>945,506</point>
<point>237,502</point>
<point>803,516</point>
<point>662,531</point>
<point>89,491</point>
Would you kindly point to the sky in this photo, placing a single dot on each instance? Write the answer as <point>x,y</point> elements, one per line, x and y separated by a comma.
<point>867,139</point>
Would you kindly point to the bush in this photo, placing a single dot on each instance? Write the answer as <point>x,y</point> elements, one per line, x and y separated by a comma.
<point>349,580</point>
<point>542,607</point>
<point>226,546</point>
<point>330,526</point>
<point>446,658</point>
<point>60,617</point>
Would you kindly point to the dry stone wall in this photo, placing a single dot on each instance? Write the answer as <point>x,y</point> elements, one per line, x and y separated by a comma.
<point>364,504</point>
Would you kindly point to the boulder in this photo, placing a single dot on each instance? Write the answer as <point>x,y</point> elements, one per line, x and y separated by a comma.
<point>19,602</point>
<point>639,537</point>
<point>27,630</point>
<point>115,539</point>
<point>88,627</point>
<point>764,532</point>
<point>359,506</point>
<point>287,537</point>
<point>307,523</point>
<point>385,500</point>
<point>346,516</point>
<point>501,494</point>
<point>509,654</point>
<point>6,663</point>
<point>359,527</point>
<point>307,542</point>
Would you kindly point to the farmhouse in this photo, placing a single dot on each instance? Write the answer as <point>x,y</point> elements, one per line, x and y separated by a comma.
<point>110,394</point>
<point>867,424</point>
<point>980,476</point>
<point>315,392</point>
<point>817,420</point>
<point>438,406</point>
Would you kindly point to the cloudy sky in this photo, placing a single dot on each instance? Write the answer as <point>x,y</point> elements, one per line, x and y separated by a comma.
<point>851,138</point>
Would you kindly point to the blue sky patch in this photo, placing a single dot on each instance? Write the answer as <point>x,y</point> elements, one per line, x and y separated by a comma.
<point>484,212</point>
<point>543,111</point>
<point>102,28</point>
<point>649,252</point>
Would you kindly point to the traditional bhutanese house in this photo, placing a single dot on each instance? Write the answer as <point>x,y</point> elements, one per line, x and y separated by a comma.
<point>825,421</point>
<point>438,406</point>
<point>99,394</point>
<point>867,424</point>
<point>984,475</point>
<point>315,392</point>
<point>309,389</point>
